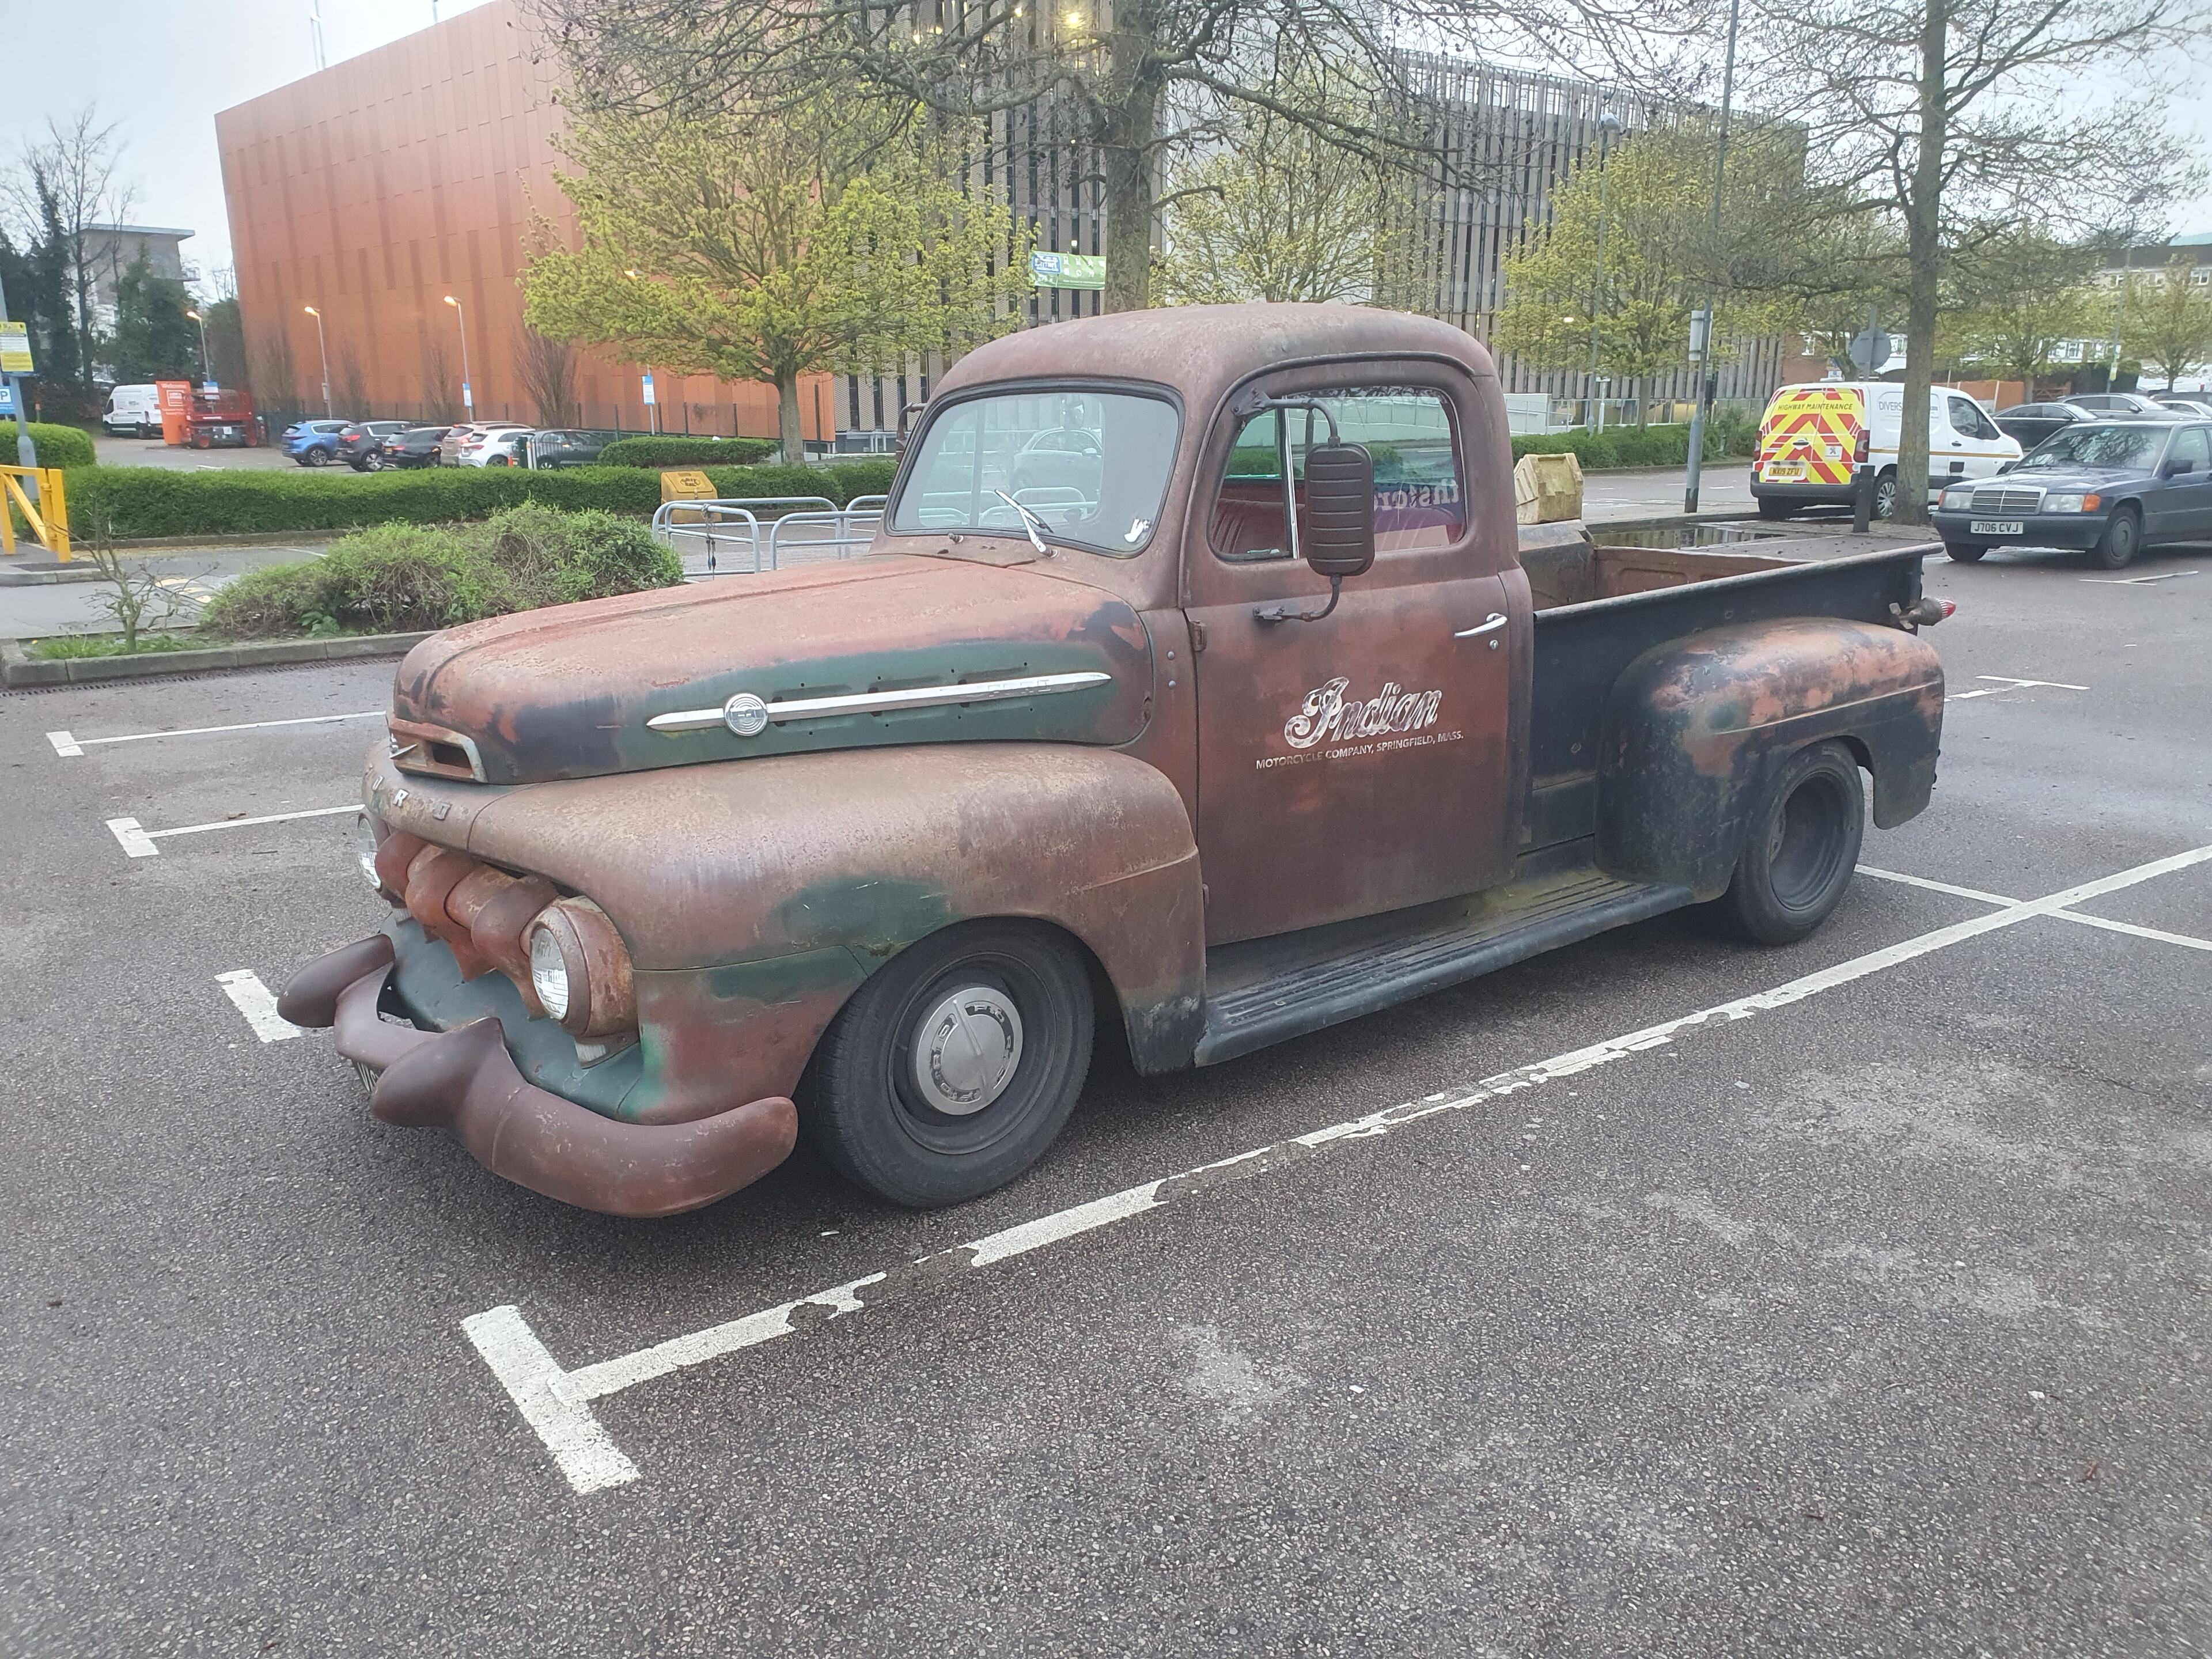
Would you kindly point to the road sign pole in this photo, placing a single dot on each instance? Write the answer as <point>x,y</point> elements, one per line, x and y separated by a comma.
<point>27,451</point>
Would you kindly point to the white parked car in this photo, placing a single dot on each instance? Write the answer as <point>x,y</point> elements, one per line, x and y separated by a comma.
<point>503,445</point>
<point>461,444</point>
<point>133,409</point>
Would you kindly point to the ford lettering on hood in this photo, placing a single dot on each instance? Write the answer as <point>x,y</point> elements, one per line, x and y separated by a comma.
<point>885,650</point>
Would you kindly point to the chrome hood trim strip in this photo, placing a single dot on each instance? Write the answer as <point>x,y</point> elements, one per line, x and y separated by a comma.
<point>748,715</point>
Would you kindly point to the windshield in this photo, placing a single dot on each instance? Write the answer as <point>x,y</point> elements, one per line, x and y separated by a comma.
<point>2132,448</point>
<point>1092,466</point>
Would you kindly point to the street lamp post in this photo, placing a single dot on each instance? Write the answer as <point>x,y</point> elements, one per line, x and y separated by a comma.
<point>1701,326</point>
<point>323,347</point>
<point>1608,124</point>
<point>468,394</point>
<point>207,368</point>
<point>652,400</point>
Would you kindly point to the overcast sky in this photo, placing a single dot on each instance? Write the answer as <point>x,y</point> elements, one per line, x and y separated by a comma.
<point>160,70</point>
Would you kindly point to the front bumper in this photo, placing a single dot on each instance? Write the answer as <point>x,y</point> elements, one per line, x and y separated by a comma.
<point>2069,530</point>
<point>465,1078</point>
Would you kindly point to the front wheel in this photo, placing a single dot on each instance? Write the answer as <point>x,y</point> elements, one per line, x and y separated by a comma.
<point>2116,548</point>
<point>955,1066</point>
<point>1801,847</point>
<point>1963,552</point>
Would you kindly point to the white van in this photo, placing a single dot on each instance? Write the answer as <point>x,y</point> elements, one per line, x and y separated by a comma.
<point>1814,436</point>
<point>134,409</point>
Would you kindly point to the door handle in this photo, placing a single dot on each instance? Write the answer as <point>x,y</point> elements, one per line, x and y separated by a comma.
<point>1489,624</point>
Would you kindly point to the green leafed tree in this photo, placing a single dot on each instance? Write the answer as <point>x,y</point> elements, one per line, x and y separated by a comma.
<point>1277,211</point>
<point>2014,302</point>
<point>154,339</point>
<point>1628,307</point>
<point>835,235</point>
<point>2168,320</point>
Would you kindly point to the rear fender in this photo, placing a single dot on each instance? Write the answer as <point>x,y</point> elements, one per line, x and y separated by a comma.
<point>757,895</point>
<point>1694,729</point>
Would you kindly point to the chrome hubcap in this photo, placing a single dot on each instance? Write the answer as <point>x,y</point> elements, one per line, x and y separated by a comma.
<point>966,1050</point>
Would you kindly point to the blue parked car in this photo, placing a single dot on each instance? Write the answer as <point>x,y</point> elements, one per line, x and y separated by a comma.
<point>2110,487</point>
<point>313,443</point>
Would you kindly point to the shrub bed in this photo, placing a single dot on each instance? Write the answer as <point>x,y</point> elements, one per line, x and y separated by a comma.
<point>402,578</point>
<point>687,451</point>
<point>1639,446</point>
<point>144,501</point>
<point>57,446</point>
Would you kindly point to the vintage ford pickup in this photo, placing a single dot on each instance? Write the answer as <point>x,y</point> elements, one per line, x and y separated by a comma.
<point>1199,691</point>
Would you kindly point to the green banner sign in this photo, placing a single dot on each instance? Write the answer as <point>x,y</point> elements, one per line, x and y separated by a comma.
<point>1066,270</point>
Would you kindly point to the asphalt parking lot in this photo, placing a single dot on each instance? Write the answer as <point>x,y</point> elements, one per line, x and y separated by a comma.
<point>1659,1295</point>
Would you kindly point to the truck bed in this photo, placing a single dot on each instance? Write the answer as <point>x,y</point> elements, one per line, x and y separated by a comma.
<point>1598,608</point>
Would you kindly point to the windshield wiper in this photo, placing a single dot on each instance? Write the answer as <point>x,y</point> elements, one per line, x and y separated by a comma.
<point>1031,522</point>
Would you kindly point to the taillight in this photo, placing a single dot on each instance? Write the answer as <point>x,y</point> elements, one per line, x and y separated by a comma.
<point>1862,449</point>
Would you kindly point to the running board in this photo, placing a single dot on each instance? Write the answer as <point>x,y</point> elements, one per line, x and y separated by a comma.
<point>1263,991</point>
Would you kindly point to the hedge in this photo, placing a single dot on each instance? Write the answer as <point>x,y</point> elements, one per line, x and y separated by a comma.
<point>405,578</point>
<point>687,451</point>
<point>57,446</point>
<point>1639,446</point>
<point>131,502</point>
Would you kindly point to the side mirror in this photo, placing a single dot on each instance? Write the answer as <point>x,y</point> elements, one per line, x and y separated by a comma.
<point>2176,468</point>
<point>1339,510</point>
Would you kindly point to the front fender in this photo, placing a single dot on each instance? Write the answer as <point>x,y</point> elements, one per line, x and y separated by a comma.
<point>754,895</point>
<point>1693,728</point>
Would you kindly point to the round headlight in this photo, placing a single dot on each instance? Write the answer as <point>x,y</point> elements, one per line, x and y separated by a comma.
<point>364,835</point>
<point>548,972</point>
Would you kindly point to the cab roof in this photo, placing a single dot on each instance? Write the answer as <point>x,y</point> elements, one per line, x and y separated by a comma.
<point>1203,351</point>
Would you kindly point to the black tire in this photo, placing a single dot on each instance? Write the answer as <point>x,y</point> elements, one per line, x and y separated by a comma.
<point>1773,509</point>
<point>317,457</point>
<point>2116,548</point>
<point>1800,847</point>
<point>867,1107</point>
<point>1963,552</point>
<point>1885,493</point>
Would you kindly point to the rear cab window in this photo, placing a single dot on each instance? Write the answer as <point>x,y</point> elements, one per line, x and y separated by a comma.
<point>1420,502</point>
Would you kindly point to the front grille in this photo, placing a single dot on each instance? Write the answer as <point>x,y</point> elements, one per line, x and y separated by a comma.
<point>2009,502</point>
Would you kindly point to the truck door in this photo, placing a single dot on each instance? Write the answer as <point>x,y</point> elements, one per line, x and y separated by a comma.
<point>1362,762</point>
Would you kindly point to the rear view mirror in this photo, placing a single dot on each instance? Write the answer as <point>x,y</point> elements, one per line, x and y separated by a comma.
<point>1339,510</point>
<point>2175,468</point>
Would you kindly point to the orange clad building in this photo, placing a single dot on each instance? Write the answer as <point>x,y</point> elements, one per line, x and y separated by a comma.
<point>374,189</point>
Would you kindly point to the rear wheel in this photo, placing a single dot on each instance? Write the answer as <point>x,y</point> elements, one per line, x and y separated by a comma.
<point>2116,548</point>
<point>955,1066</point>
<point>1801,847</point>
<point>1963,552</point>
<point>1884,495</point>
<point>1771,508</point>
<point>316,458</point>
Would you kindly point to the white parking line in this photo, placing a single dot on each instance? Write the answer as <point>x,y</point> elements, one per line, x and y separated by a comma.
<point>556,1402</point>
<point>2111,927</point>
<point>2009,684</point>
<point>257,1003</point>
<point>70,746</point>
<point>2137,581</point>
<point>139,842</point>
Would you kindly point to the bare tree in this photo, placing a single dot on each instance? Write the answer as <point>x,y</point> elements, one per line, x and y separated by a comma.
<point>437,370</point>
<point>275,377</point>
<point>352,382</point>
<point>1130,82</point>
<point>79,161</point>
<point>1959,120</point>
<point>547,369</point>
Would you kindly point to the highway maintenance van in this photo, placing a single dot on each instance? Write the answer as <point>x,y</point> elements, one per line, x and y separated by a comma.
<point>1814,437</point>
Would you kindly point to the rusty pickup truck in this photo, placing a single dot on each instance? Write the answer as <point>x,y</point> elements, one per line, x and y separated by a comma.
<point>1199,691</point>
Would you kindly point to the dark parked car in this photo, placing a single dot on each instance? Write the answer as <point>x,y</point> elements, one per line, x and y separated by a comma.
<point>2110,488</point>
<point>566,446</point>
<point>2033,422</point>
<point>2117,403</point>
<point>360,446</point>
<point>415,447</point>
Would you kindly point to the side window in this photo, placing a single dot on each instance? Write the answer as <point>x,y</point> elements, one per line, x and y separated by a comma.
<point>1966,417</point>
<point>2195,446</point>
<point>1420,503</point>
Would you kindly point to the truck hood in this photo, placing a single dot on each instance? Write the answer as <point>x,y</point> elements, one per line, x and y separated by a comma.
<point>565,692</point>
